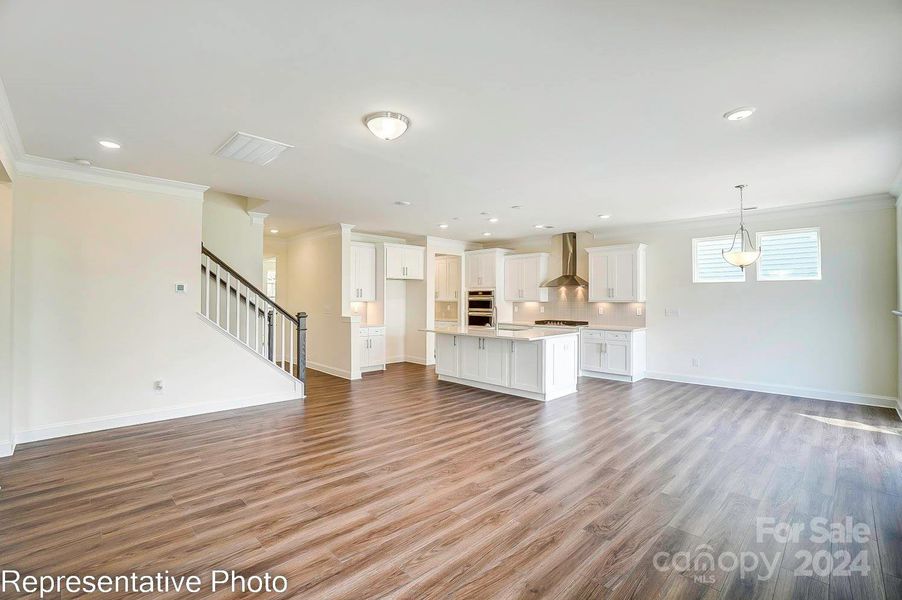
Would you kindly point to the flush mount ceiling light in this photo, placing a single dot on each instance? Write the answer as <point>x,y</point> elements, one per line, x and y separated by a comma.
<point>604,216</point>
<point>109,144</point>
<point>739,255</point>
<point>493,219</point>
<point>738,114</point>
<point>402,203</point>
<point>443,226</point>
<point>386,125</point>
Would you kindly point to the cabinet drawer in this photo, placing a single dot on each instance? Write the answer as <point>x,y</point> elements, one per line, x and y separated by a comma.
<point>617,336</point>
<point>364,331</point>
<point>592,335</point>
<point>376,331</point>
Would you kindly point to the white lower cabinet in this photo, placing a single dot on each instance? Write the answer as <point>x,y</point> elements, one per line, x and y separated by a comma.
<point>613,354</point>
<point>446,355</point>
<point>539,369</point>
<point>527,366</point>
<point>372,347</point>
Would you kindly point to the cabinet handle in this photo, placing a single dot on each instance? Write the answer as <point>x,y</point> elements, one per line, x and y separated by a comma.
<point>454,337</point>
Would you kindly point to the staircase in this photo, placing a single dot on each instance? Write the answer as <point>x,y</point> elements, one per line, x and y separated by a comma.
<point>244,312</point>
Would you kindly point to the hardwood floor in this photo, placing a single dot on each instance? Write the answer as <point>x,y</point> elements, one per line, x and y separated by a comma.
<point>402,487</point>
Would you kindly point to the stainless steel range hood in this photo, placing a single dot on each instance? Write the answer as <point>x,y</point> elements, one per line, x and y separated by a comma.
<point>568,277</point>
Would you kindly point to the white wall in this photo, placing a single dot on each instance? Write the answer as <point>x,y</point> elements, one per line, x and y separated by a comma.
<point>278,249</point>
<point>6,317</point>
<point>233,235</point>
<point>831,339</point>
<point>97,319</point>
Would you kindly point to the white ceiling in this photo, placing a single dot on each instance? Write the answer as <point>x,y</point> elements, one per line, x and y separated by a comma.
<point>569,109</point>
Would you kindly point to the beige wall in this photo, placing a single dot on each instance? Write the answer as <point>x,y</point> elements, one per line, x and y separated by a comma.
<point>6,317</point>
<point>315,285</point>
<point>230,234</point>
<point>832,338</point>
<point>98,320</point>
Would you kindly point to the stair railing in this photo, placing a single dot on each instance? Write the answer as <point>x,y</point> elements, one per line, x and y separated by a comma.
<point>244,312</point>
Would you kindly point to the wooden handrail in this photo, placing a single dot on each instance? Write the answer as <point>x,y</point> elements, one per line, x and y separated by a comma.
<point>247,283</point>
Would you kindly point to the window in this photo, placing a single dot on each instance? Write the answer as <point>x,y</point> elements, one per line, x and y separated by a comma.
<point>789,255</point>
<point>708,264</point>
<point>269,275</point>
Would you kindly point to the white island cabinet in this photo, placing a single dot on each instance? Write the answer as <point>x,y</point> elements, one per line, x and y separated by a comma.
<point>540,364</point>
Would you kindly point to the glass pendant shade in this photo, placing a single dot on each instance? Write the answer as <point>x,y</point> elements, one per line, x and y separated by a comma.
<point>387,125</point>
<point>740,255</point>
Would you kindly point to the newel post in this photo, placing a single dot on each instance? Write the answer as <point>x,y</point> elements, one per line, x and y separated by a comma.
<point>269,334</point>
<point>302,347</point>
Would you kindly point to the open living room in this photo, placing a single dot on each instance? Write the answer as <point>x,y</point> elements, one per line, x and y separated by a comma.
<point>406,300</point>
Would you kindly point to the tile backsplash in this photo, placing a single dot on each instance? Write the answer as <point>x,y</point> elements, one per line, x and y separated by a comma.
<point>570,304</point>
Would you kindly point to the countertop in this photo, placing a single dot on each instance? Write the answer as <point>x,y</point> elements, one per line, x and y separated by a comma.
<point>591,327</point>
<point>526,335</point>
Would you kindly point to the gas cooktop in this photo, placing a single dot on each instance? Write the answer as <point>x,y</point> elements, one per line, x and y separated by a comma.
<point>562,323</point>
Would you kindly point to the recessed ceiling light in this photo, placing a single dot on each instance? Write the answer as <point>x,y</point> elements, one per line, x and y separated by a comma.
<point>486,233</point>
<point>82,161</point>
<point>493,219</point>
<point>543,226</point>
<point>109,144</point>
<point>274,231</point>
<point>443,226</point>
<point>402,203</point>
<point>516,207</point>
<point>738,114</point>
<point>604,216</point>
<point>386,125</point>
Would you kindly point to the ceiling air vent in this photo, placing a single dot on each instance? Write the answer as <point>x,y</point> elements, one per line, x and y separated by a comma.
<point>251,148</point>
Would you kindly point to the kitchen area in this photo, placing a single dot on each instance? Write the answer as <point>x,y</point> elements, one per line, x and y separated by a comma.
<point>531,335</point>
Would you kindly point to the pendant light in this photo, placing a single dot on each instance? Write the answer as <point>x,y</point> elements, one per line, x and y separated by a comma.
<point>738,255</point>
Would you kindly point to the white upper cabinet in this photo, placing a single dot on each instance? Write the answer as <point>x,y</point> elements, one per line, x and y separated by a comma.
<point>484,268</point>
<point>617,273</point>
<point>523,277</point>
<point>404,262</point>
<point>363,272</point>
<point>447,278</point>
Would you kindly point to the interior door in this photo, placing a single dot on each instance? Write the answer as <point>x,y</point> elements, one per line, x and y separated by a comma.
<point>496,360</point>
<point>623,276</point>
<point>599,277</point>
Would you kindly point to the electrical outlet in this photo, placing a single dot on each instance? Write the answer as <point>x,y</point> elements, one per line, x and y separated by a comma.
<point>181,288</point>
<point>600,309</point>
<point>638,311</point>
<point>158,385</point>
<point>696,363</point>
<point>541,309</point>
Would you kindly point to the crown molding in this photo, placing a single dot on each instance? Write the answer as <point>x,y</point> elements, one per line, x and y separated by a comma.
<point>895,188</point>
<point>857,204</point>
<point>17,162</point>
<point>48,168</point>
<point>257,218</point>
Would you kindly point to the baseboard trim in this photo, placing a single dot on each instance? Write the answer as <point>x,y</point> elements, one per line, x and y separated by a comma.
<point>899,411</point>
<point>784,390</point>
<point>329,370</point>
<point>417,360</point>
<point>149,416</point>
<point>7,449</point>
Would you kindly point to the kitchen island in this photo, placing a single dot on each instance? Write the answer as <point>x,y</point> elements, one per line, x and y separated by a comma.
<point>539,364</point>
